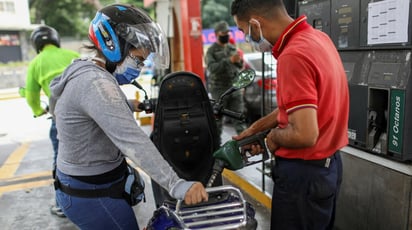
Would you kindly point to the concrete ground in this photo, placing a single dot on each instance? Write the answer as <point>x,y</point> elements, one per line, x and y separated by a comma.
<point>26,191</point>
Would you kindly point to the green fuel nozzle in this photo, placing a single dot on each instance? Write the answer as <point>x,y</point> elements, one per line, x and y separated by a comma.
<point>230,154</point>
<point>233,157</point>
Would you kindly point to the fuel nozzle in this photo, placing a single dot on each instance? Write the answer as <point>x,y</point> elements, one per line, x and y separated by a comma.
<point>233,157</point>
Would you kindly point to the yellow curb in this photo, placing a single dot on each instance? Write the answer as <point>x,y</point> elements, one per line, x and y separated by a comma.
<point>248,188</point>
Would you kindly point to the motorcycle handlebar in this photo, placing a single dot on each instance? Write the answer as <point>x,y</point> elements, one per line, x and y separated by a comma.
<point>232,114</point>
<point>147,105</point>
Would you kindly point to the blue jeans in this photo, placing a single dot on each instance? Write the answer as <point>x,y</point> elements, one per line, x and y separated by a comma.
<point>55,143</point>
<point>95,213</point>
<point>304,195</point>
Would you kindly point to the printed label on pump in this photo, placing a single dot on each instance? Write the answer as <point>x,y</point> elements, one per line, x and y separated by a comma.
<point>396,116</point>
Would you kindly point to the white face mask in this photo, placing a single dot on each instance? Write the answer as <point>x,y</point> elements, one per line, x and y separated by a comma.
<point>262,45</point>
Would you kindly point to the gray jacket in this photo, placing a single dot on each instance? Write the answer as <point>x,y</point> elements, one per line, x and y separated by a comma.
<point>97,129</point>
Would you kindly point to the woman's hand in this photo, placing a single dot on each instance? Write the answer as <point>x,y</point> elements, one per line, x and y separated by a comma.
<point>196,194</point>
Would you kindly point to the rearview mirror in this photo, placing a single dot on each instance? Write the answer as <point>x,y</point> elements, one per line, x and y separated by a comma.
<point>244,78</point>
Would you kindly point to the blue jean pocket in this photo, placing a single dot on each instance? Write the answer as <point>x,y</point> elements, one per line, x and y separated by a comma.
<point>63,200</point>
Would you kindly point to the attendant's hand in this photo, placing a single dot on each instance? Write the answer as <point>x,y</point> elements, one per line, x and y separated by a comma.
<point>254,148</point>
<point>245,133</point>
<point>271,146</point>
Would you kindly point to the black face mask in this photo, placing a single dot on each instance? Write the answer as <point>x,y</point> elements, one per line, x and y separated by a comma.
<point>224,39</point>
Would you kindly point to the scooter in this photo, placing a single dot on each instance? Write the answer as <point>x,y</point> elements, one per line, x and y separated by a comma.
<point>184,127</point>
<point>185,133</point>
<point>226,207</point>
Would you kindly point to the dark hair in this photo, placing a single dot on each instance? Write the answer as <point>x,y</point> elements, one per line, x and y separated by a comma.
<point>90,47</point>
<point>243,8</point>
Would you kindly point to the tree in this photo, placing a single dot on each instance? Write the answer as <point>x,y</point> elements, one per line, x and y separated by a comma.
<point>213,12</point>
<point>70,17</point>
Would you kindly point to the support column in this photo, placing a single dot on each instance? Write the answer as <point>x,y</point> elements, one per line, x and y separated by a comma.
<point>192,36</point>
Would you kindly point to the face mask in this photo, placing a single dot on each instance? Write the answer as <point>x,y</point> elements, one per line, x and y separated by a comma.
<point>262,45</point>
<point>224,39</point>
<point>128,70</point>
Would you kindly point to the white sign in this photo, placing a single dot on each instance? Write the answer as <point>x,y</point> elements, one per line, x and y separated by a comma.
<point>388,22</point>
<point>195,26</point>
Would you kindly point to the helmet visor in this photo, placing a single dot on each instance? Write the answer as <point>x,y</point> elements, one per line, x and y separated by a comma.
<point>148,37</point>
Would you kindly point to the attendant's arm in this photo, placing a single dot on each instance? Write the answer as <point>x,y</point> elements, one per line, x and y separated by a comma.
<point>267,122</point>
<point>301,132</point>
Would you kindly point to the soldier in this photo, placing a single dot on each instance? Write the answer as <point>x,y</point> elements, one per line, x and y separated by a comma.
<point>223,64</point>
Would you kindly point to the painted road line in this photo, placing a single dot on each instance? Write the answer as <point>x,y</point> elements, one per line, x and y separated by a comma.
<point>12,163</point>
<point>9,96</point>
<point>25,186</point>
<point>27,178</point>
<point>248,188</point>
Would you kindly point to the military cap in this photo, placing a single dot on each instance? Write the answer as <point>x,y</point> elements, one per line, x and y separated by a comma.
<point>221,26</point>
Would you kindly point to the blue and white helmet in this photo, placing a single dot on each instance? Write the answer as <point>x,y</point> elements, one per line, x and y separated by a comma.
<point>117,28</point>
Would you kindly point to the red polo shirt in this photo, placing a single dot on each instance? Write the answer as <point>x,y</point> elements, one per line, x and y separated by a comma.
<point>310,74</point>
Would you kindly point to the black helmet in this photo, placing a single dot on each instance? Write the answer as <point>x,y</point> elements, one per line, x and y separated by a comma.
<point>43,35</point>
<point>117,28</point>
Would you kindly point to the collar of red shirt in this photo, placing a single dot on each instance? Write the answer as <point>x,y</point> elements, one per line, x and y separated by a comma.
<point>298,25</point>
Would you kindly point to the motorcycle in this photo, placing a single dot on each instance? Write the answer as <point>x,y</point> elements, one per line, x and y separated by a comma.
<point>185,133</point>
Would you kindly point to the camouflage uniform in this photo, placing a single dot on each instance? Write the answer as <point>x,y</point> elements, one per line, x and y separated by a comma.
<point>221,75</point>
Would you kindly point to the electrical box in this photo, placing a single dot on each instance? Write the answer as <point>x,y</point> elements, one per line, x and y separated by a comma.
<point>317,12</point>
<point>345,21</point>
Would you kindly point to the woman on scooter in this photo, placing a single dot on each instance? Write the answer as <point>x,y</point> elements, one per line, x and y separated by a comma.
<point>96,127</point>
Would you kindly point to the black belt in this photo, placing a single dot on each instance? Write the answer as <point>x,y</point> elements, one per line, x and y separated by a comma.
<point>325,163</point>
<point>114,191</point>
